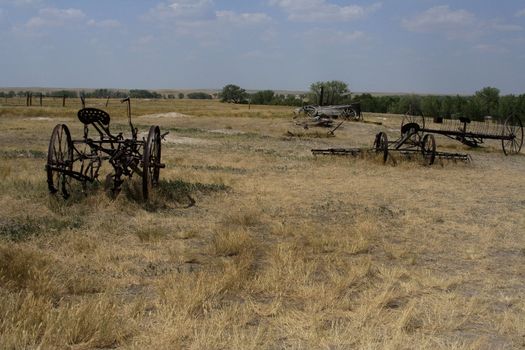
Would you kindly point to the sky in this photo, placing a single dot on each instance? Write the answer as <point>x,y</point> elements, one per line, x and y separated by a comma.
<point>420,46</point>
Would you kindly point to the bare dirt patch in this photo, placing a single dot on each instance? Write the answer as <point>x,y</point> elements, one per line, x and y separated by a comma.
<point>165,115</point>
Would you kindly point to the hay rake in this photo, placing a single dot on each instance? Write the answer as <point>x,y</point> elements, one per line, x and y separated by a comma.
<point>470,133</point>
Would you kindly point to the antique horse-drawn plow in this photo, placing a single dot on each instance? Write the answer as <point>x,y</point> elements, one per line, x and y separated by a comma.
<point>81,159</point>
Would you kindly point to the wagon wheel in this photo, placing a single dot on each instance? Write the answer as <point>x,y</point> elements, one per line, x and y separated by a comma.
<point>428,148</point>
<point>59,161</point>
<point>410,118</point>
<point>381,145</point>
<point>513,132</point>
<point>349,114</point>
<point>151,162</point>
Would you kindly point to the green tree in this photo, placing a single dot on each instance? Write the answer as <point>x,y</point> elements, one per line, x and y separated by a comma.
<point>507,106</point>
<point>430,106</point>
<point>233,93</point>
<point>264,97</point>
<point>199,96</point>
<point>334,92</point>
<point>181,95</point>
<point>488,100</point>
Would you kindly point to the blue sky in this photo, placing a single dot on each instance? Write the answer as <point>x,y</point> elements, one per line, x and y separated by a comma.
<point>423,46</point>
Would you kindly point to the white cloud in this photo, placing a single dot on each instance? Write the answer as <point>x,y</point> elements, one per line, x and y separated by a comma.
<point>440,19</point>
<point>489,48</point>
<point>520,13</point>
<point>242,18</point>
<point>506,27</point>
<point>21,2</point>
<point>182,12</point>
<point>107,23</point>
<point>321,10</point>
<point>320,36</point>
<point>53,17</point>
<point>183,9</point>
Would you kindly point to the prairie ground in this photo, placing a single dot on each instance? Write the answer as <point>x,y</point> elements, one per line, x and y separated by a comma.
<point>281,249</point>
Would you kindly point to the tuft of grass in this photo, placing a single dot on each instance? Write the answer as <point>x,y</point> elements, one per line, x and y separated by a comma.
<point>151,233</point>
<point>35,322</point>
<point>228,243</point>
<point>23,268</point>
<point>242,217</point>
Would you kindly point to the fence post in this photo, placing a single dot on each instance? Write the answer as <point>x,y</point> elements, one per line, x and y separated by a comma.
<point>64,101</point>
<point>41,99</point>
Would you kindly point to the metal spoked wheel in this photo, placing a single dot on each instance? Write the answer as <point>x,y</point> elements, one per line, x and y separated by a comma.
<point>410,118</point>
<point>513,133</point>
<point>428,148</point>
<point>349,114</point>
<point>60,161</point>
<point>151,161</point>
<point>381,145</point>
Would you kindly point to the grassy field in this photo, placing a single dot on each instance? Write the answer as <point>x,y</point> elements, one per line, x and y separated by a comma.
<point>281,249</point>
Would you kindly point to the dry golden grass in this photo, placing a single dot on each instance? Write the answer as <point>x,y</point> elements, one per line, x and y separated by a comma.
<point>281,249</point>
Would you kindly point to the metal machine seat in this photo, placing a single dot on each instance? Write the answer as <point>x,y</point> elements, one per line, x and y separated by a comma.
<point>92,115</point>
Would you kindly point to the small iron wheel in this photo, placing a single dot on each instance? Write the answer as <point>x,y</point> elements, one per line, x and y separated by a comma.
<point>428,148</point>
<point>60,161</point>
<point>513,132</point>
<point>381,145</point>
<point>151,162</point>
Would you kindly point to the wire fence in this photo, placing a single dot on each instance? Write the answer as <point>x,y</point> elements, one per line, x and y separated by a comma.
<point>37,100</point>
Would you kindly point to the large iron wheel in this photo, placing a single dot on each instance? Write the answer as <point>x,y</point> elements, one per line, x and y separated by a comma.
<point>412,118</point>
<point>381,145</point>
<point>60,161</point>
<point>151,161</point>
<point>513,133</point>
<point>428,148</point>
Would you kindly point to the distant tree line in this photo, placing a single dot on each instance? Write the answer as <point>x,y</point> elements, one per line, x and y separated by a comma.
<point>234,94</point>
<point>98,93</point>
<point>485,102</point>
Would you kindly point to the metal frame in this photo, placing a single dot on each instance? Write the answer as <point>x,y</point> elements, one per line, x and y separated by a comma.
<point>81,159</point>
<point>471,133</point>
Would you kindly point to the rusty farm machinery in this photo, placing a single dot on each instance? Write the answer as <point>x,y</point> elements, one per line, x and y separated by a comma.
<point>417,139</point>
<point>81,159</point>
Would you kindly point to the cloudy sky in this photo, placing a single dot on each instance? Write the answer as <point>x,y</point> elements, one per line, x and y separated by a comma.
<point>378,46</point>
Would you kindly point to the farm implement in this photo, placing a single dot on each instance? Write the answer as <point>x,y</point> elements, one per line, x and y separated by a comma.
<point>417,139</point>
<point>81,159</point>
<point>408,146</point>
<point>470,133</point>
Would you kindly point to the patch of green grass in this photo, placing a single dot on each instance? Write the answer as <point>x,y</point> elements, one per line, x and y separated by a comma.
<point>176,188</point>
<point>25,153</point>
<point>227,169</point>
<point>168,193</point>
<point>21,228</point>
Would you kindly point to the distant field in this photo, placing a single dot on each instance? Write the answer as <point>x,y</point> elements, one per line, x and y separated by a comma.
<point>281,250</point>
